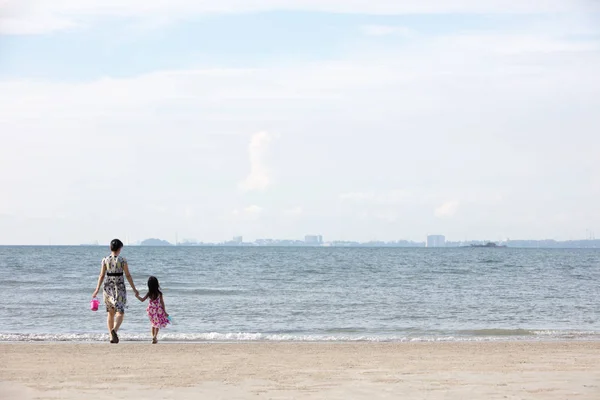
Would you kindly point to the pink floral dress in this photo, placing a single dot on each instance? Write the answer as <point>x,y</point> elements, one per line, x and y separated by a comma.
<point>156,314</point>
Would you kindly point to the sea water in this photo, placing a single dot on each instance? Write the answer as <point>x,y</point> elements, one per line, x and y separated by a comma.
<point>310,294</point>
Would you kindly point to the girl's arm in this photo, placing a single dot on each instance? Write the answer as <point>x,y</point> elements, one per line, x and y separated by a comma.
<point>100,279</point>
<point>142,299</point>
<point>162,303</point>
<point>129,278</point>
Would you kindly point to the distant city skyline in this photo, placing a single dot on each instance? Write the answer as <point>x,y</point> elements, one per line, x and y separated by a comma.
<point>547,244</point>
<point>311,239</point>
<point>362,120</point>
<point>431,241</point>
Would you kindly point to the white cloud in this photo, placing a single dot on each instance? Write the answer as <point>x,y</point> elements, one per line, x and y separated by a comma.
<point>294,212</point>
<point>386,30</point>
<point>387,216</point>
<point>448,209</point>
<point>35,24</point>
<point>253,210</point>
<point>36,16</point>
<point>154,208</point>
<point>483,118</point>
<point>250,213</point>
<point>189,212</point>
<point>259,177</point>
<point>392,197</point>
<point>518,44</point>
<point>412,80</point>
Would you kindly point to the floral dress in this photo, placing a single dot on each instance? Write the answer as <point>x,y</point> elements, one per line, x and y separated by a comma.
<point>156,314</point>
<point>115,295</point>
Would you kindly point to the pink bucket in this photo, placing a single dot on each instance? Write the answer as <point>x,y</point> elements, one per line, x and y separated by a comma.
<point>94,304</point>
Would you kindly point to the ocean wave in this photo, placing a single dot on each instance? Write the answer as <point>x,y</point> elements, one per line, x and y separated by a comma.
<point>483,335</point>
<point>206,291</point>
<point>530,333</point>
<point>499,332</point>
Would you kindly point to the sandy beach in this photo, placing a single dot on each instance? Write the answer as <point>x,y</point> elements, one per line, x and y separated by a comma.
<point>507,370</point>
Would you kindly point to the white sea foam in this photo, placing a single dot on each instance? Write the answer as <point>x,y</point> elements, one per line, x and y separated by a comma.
<point>275,337</point>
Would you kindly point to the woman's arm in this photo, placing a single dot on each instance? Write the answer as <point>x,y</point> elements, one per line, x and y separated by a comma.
<point>129,278</point>
<point>162,303</point>
<point>100,280</point>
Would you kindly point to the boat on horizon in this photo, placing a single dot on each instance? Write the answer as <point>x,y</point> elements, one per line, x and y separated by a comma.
<point>488,244</point>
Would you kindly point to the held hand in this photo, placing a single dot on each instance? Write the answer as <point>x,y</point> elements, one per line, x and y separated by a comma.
<point>137,295</point>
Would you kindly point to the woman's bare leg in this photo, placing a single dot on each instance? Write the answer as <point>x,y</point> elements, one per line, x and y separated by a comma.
<point>110,320</point>
<point>118,321</point>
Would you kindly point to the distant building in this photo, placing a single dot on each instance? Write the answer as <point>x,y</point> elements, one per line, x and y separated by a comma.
<point>436,241</point>
<point>313,240</point>
<point>238,239</point>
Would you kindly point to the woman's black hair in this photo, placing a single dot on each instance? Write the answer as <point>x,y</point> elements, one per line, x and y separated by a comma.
<point>116,245</point>
<point>153,288</point>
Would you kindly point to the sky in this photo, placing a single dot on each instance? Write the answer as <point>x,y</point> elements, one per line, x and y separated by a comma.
<point>353,119</point>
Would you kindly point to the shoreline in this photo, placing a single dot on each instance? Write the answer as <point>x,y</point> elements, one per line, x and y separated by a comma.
<point>491,334</point>
<point>163,342</point>
<point>283,370</point>
<point>128,342</point>
<point>244,337</point>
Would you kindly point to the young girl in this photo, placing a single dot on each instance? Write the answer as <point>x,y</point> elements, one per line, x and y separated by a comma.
<point>156,308</point>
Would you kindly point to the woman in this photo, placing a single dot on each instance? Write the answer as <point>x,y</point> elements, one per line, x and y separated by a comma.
<point>115,295</point>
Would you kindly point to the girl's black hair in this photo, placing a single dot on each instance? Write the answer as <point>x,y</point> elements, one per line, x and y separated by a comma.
<point>153,288</point>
